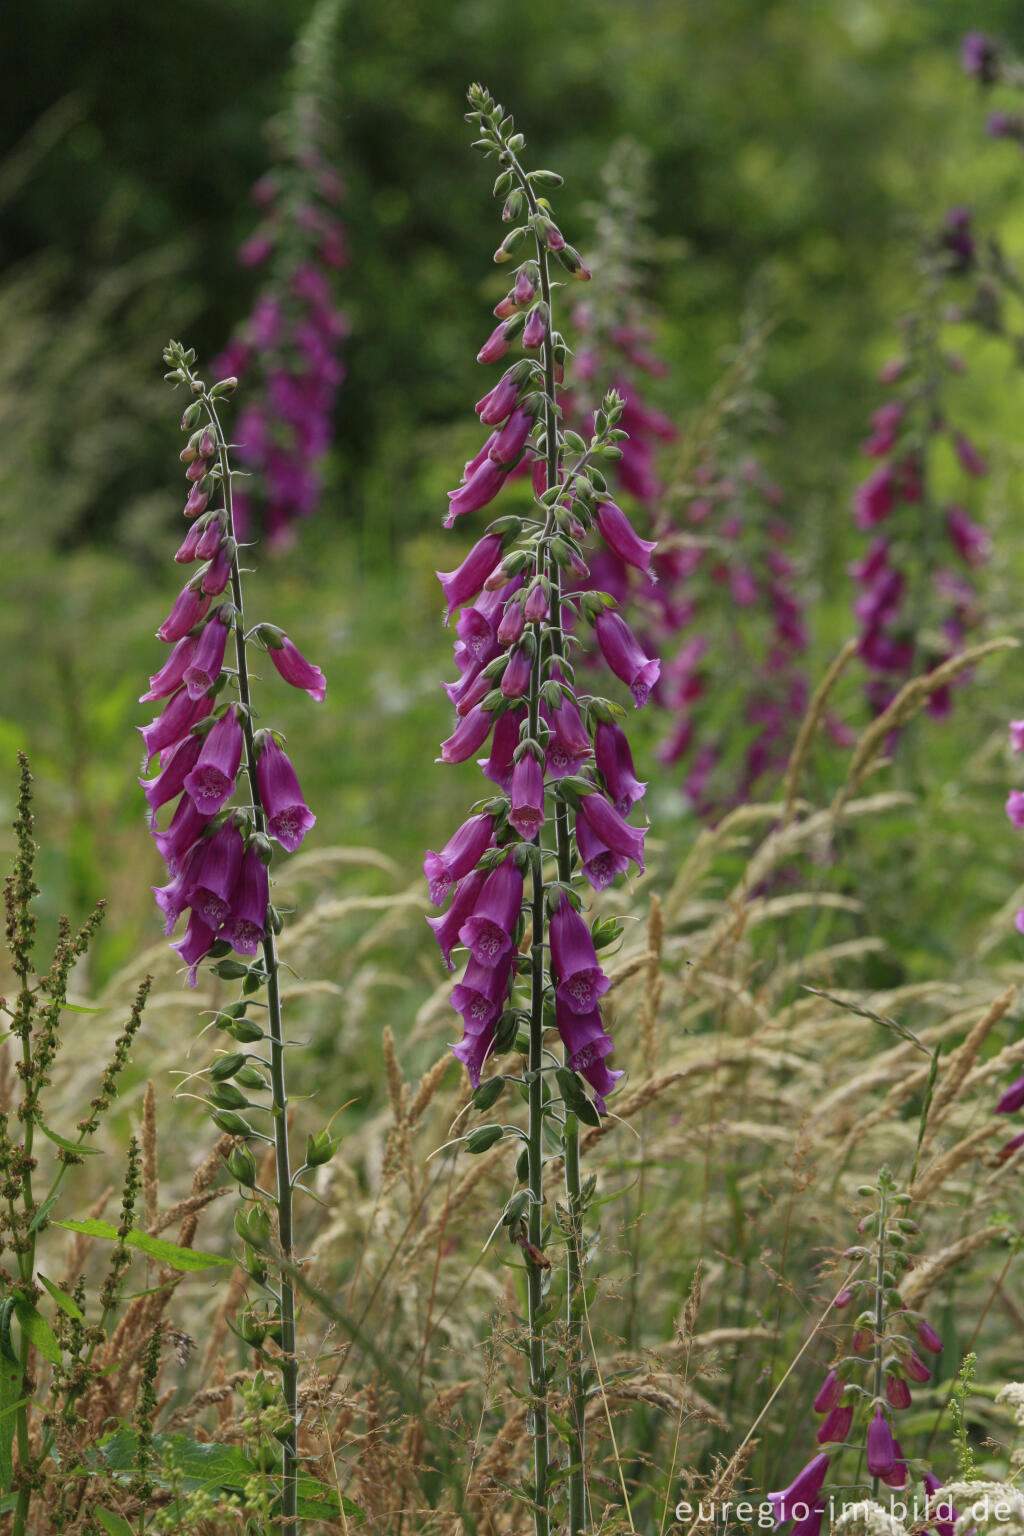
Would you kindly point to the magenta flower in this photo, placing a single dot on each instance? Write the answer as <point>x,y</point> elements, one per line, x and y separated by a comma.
<point>897,1478</point>
<point>526,794</point>
<point>623,653</point>
<point>622,539</point>
<point>1017,735</point>
<point>246,924</point>
<point>568,745</point>
<point>174,897</point>
<point>216,575</point>
<point>515,679</point>
<point>513,622</point>
<point>969,456</point>
<point>215,875</point>
<point>969,539</point>
<point>208,661</point>
<point>468,737</point>
<point>178,718</point>
<point>506,446</point>
<point>615,764</point>
<point>494,347</point>
<point>600,864</point>
<point>196,502</point>
<point>943,1515</point>
<point>197,943</point>
<point>498,403</point>
<point>897,1392</point>
<point>581,981</point>
<point>481,487</point>
<point>1015,807</point>
<point>1011,1101</point>
<point>186,826</point>
<point>480,995</point>
<point>915,1367</point>
<point>170,781</point>
<point>873,501</point>
<point>189,607</point>
<point>212,781</point>
<point>446,928</point>
<point>804,1489</point>
<point>536,608</point>
<point>836,1427</point>
<point>462,585</point>
<point>616,833</point>
<point>296,670</point>
<point>461,854</point>
<point>829,1393</point>
<point>929,1339</point>
<point>587,1045</point>
<point>171,675</point>
<point>473,1050</point>
<point>488,933</point>
<point>499,765</point>
<point>289,818</point>
<point>979,57</point>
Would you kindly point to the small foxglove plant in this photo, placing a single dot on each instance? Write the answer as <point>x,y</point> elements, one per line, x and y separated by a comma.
<point>288,350</point>
<point>560,763</point>
<point>237,795</point>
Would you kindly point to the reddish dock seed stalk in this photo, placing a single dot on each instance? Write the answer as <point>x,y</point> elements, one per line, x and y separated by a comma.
<point>218,853</point>
<point>557,758</point>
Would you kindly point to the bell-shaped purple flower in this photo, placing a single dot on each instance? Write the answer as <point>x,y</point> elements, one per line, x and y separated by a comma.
<point>587,1045</point>
<point>170,676</point>
<point>215,576</point>
<point>480,996</point>
<point>624,654</point>
<point>881,1450</point>
<point>897,1392</point>
<point>498,403</point>
<point>526,796</point>
<point>460,854</point>
<point>508,444</point>
<point>513,622</point>
<point>210,538</point>
<point>897,1478</point>
<point>835,1428</point>
<point>488,933</point>
<point>188,549</point>
<point>468,737</point>
<point>581,981</point>
<point>616,833</point>
<point>829,1393</point>
<point>600,864</point>
<point>213,879</point>
<point>446,928</point>
<point>196,503</point>
<point>804,1489</point>
<point>515,679</point>
<point>615,764</point>
<point>462,585</point>
<point>943,1515</point>
<point>206,665</point>
<point>289,818</point>
<point>498,766</point>
<point>494,347</point>
<point>170,781</point>
<point>197,943</point>
<point>480,489</point>
<point>189,608</point>
<point>622,539</point>
<point>212,781</point>
<point>537,607</point>
<point>246,923</point>
<point>1012,1099</point>
<point>929,1339</point>
<point>296,670</point>
<point>186,826</point>
<point>170,727</point>
<point>173,898</point>
<point>568,745</point>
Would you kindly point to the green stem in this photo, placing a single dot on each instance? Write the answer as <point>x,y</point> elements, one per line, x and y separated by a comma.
<point>26,1269</point>
<point>879,1315</point>
<point>289,1364</point>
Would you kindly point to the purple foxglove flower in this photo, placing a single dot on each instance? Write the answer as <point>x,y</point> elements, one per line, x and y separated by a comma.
<point>196,502</point>
<point>480,996</point>
<point>524,289</point>
<point>178,718</point>
<point>189,608</point>
<point>515,679</point>
<point>473,464</point>
<point>862,1340</point>
<point>212,781</point>
<point>873,501</point>
<point>210,539</point>
<point>1016,735</point>
<point>476,632</point>
<point>1011,1101</point>
<point>581,981</point>
<point>616,833</point>
<point>598,1074</point>
<point>554,239</point>
<point>836,1427</point>
<point>487,934</point>
<point>537,607</point>
<point>499,765</point>
<point>494,347</point>
<point>461,854</point>
<point>943,1515</point>
<point>213,879</point>
<point>586,1046</point>
<point>928,1338</point>
<point>469,735</point>
<point>446,928</point>
<point>197,942</point>
<point>462,585</point>
<point>216,576</point>
<point>897,1392</point>
<point>289,818</point>
<point>470,690</point>
<point>526,796</point>
<point>1010,1147</point>
<point>804,1489</point>
<point>296,670</point>
<point>481,487</point>
<point>170,781</point>
<point>498,403</point>
<point>621,538</point>
<point>811,1524</point>
<point>506,445</point>
<point>473,1050</point>
<point>173,898</point>
<point>600,864</point>
<point>169,678</point>
<point>897,1478</point>
<point>513,622</point>
<point>979,58</point>
<point>1015,807</point>
<point>568,745</point>
<point>829,1393</point>
<point>197,469</point>
<point>1018,920</point>
<point>970,541</point>
<point>843,1298</point>
<point>622,652</point>
<point>186,826</point>
<point>969,456</point>
<point>187,550</point>
<point>915,1367</point>
<point>615,764</point>
<point>208,661</point>
<point>535,329</point>
<point>246,924</point>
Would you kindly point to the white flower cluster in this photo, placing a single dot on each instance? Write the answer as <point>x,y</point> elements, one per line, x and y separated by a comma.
<point>867,1519</point>
<point>1013,1394</point>
<point>990,1509</point>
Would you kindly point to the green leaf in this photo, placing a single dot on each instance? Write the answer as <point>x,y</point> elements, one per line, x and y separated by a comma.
<point>153,1247</point>
<point>80,1008</point>
<point>6,1347</point>
<point>68,1146</point>
<point>10,1399</point>
<point>62,1299</point>
<point>316,1501</point>
<point>115,1525</point>
<point>36,1328</point>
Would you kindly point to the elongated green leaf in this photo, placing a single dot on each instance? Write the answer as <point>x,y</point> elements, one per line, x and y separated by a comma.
<point>68,1146</point>
<point>154,1247</point>
<point>91,1227</point>
<point>114,1524</point>
<point>6,1346</point>
<point>80,1008</point>
<point>10,1400</point>
<point>62,1298</point>
<point>36,1328</point>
